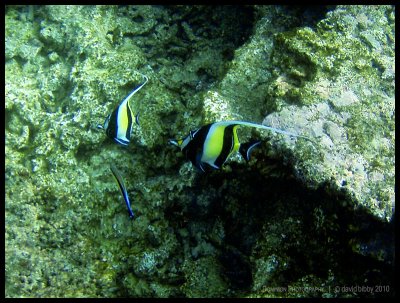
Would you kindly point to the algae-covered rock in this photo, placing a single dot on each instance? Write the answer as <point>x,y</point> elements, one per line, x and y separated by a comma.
<point>286,218</point>
<point>203,279</point>
<point>339,73</point>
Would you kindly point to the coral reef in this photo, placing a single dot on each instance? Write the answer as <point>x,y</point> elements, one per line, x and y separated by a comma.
<point>298,220</point>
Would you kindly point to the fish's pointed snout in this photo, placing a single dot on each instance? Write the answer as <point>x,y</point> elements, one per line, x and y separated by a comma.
<point>173,142</point>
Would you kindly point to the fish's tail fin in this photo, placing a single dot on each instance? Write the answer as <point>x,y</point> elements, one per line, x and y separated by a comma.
<point>246,148</point>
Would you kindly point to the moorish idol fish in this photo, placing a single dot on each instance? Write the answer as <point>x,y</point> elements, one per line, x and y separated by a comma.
<point>122,187</point>
<point>118,124</point>
<point>214,143</point>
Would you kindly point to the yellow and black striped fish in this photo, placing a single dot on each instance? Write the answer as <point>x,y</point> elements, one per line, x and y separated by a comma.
<point>118,124</point>
<point>214,143</point>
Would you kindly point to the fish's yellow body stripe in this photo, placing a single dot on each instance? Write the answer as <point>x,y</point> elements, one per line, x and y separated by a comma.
<point>213,144</point>
<point>123,121</point>
<point>236,145</point>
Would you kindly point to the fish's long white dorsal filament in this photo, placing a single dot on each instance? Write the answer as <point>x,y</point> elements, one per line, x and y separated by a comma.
<point>261,126</point>
<point>135,90</point>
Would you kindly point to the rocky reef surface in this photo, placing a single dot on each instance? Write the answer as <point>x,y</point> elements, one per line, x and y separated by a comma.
<point>301,219</point>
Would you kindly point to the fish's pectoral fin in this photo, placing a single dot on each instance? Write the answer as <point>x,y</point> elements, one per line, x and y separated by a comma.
<point>200,166</point>
<point>246,148</point>
<point>137,119</point>
<point>205,167</point>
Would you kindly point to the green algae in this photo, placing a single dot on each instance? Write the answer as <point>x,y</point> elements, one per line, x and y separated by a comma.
<point>217,235</point>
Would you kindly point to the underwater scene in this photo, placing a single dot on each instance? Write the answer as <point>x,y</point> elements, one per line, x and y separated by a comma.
<point>200,151</point>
